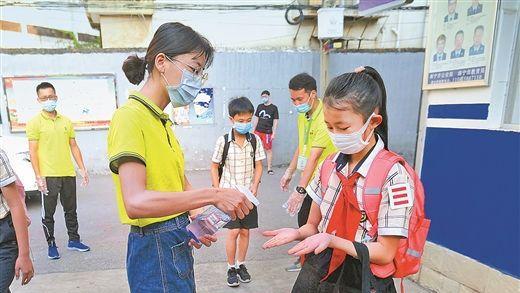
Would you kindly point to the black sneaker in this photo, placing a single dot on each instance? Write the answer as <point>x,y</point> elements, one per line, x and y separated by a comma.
<point>232,278</point>
<point>243,275</point>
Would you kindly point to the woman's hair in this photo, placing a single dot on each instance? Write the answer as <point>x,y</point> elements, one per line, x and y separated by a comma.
<point>172,39</point>
<point>364,92</point>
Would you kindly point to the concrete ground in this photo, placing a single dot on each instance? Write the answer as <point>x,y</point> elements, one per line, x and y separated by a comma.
<point>103,268</point>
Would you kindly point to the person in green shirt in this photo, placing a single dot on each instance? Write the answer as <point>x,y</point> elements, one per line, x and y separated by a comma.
<point>153,194</point>
<point>51,142</point>
<point>314,145</point>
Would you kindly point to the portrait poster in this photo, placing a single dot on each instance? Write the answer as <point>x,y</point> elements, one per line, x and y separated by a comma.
<point>460,43</point>
<point>201,111</point>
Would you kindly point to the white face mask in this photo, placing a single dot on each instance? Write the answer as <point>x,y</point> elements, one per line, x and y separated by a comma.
<point>351,143</point>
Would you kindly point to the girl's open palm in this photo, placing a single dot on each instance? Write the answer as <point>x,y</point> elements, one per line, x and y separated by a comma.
<point>280,237</point>
<point>315,243</point>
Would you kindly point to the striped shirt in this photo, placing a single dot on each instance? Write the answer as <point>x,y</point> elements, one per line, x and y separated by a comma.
<point>239,166</point>
<point>7,177</point>
<point>391,222</point>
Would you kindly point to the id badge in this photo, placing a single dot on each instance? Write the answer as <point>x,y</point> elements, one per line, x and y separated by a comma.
<point>302,161</point>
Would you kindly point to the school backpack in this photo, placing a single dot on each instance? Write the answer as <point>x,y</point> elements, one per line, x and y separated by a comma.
<point>407,260</point>
<point>249,136</point>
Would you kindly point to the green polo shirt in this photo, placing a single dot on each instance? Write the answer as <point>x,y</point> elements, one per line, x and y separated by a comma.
<point>141,130</point>
<point>313,133</point>
<point>53,136</point>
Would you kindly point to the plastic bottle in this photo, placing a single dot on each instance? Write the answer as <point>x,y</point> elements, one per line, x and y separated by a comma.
<point>213,219</point>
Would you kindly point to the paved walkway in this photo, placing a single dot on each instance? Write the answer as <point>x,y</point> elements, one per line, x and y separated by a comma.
<point>268,278</point>
<point>102,269</point>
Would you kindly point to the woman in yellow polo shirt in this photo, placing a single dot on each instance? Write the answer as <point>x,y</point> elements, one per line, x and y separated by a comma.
<point>153,193</point>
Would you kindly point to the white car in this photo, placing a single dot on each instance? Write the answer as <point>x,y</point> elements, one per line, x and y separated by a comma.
<point>17,149</point>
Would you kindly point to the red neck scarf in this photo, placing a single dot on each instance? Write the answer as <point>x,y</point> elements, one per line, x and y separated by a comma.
<point>345,218</point>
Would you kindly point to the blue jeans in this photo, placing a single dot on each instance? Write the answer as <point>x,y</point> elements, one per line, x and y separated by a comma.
<point>159,258</point>
<point>8,253</point>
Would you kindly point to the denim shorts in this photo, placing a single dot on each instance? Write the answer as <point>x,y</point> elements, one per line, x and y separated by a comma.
<point>8,253</point>
<point>159,258</point>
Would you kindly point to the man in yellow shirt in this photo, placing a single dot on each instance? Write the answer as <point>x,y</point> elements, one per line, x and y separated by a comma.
<point>51,142</point>
<point>314,145</point>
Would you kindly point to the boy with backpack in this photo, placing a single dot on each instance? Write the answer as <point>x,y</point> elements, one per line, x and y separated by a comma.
<point>237,160</point>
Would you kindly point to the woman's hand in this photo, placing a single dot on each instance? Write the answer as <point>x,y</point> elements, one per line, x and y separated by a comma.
<point>232,202</point>
<point>207,240</point>
<point>281,237</point>
<point>315,243</point>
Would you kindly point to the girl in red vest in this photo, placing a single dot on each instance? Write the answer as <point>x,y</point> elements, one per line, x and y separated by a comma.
<point>339,239</point>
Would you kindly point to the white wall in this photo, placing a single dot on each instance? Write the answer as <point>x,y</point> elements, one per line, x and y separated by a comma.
<point>236,28</point>
<point>70,19</point>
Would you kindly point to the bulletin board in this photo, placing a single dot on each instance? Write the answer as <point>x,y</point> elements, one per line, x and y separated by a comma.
<point>88,100</point>
<point>460,43</point>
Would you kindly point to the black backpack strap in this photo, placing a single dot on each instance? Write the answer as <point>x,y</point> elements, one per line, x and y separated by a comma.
<point>368,281</point>
<point>224,155</point>
<point>252,140</point>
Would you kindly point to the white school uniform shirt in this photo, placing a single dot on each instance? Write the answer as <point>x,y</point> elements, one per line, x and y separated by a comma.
<point>238,168</point>
<point>391,221</point>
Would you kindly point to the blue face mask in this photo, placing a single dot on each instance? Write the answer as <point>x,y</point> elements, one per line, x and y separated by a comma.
<point>265,100</point>
<point>304,107</point>
<point>186,92</point>
<point>49,105</point>
<point>243,128</point>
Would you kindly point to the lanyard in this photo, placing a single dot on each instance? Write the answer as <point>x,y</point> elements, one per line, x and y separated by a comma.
<point>307,128</point>
<point>306,131</point>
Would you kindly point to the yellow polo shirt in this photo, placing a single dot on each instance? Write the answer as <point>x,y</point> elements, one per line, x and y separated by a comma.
<point>141,130</point>
<point>53,136</point>
<point>313,133</point>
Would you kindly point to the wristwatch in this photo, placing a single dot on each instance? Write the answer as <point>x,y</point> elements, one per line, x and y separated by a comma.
<point>301,190</point>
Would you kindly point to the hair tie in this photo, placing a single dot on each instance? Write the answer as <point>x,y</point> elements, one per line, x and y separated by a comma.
<point>359,69</point>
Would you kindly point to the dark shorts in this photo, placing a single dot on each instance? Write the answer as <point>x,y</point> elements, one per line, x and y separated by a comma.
<point>249,222</point>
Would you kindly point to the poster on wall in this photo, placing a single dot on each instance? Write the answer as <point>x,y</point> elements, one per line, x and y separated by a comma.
<point>201,111</point>
<point>88,100</point>
<point>460,43</point>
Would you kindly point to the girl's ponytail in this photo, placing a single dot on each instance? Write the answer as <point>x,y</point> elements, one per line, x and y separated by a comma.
<point>382,129</point>
<point>365,91</point>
